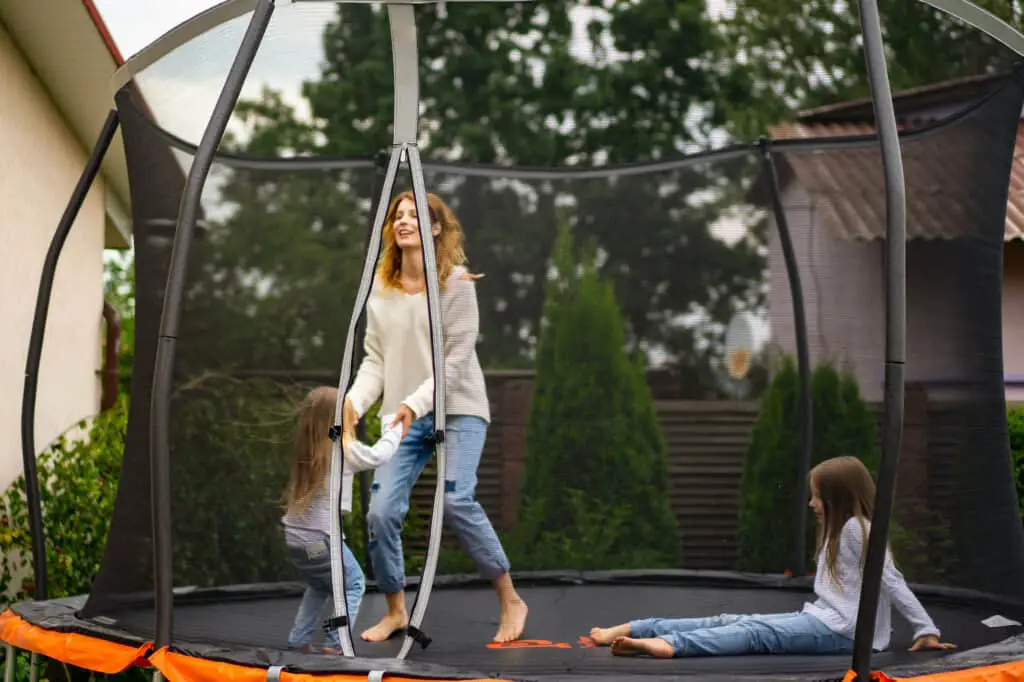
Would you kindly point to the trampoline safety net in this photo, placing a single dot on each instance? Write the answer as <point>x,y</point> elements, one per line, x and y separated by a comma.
<point>637,335</point>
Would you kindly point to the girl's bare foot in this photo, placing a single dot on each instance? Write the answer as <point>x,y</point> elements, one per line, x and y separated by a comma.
<point>605,636</point>
<point>388,625</point>
<point>656,647</point>
<point>513,620</point>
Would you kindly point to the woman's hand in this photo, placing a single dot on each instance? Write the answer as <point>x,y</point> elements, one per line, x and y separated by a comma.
<point>931,642</point>
<point>404,415</point>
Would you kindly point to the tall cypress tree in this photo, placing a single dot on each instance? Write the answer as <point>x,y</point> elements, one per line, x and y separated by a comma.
<point>595,492</point>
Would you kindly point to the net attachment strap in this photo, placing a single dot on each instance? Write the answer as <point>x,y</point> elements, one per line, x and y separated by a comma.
<point>274,673</point>
<point>335,622</point>
<point>418,636</point>
<point>375,676</point>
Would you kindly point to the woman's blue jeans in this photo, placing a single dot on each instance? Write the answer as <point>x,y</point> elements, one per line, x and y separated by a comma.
<point>731,635</point>
<point>392,486</point>
<point>313,561</point>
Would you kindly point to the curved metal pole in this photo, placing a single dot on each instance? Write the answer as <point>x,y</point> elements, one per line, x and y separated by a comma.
<point>419,604</point>
<point>35,350</point>
<point>338,474</point>
<point>805,409</point>
<point>895,337</point>
<point>188,214</point>
<point>201,23</point>
<point>982,20</point>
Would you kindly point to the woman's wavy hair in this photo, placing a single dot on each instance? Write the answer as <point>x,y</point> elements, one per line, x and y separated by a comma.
<point>448,247</point>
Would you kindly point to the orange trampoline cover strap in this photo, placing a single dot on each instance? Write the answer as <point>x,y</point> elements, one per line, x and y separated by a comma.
<point>178,667</point>
<point>83,651</point>
<point>1005,672</point>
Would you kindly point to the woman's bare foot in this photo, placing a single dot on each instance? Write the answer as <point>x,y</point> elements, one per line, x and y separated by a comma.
<point>513,610</point>
<point>605,636</point>
<point>388,625</point>
<point>513,620</point>
<point>657,647</point>
<point>396,618</point>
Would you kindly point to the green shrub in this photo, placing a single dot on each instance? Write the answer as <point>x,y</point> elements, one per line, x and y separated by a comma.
<point>842,425</point>
<point>77,487</point>
<point>595,482</point>
<point>1015,425</point>
<point>78,478</point>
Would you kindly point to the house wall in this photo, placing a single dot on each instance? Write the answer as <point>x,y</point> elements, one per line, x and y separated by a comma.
<point>40,161</point>
<point>835,277</point>
<point>1013,318</point>
<point>843,283</point>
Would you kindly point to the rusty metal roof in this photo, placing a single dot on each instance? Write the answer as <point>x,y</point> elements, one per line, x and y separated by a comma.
<point>848,188</point>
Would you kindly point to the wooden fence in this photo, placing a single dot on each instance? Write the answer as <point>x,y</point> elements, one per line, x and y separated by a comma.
<point>706,443</point>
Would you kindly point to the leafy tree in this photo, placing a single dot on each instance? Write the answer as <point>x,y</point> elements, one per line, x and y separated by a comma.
<point>283,263</point>
<point>594,491</point>
<point>800,54</point>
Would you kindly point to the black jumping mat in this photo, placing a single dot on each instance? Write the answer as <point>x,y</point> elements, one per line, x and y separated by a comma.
<point>251,628</point>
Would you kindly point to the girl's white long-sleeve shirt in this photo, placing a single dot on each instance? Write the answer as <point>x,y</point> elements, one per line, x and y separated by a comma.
<point>837,602</point>
<point>398,362</point>
<point>314,522</point>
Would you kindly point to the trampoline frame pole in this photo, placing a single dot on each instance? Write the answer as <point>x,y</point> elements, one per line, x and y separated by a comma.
<point>419,604</point>
<point>805,409</point>
<point>341,622</point>
<point>380,167</point>
<point>405,51</point>
<point>35,349</point>
<point>895,338</point>
<point>170,316</point>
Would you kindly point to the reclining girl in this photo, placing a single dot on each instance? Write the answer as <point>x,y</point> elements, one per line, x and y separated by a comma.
<point>842,497</point>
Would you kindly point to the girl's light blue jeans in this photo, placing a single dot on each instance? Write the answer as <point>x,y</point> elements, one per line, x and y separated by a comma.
<point>731,635</point>
<point>392,486</point>
<point>313,561</point>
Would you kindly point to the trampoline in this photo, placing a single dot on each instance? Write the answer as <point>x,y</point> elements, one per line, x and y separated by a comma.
<point>244,630</point>
<point>873,256</point>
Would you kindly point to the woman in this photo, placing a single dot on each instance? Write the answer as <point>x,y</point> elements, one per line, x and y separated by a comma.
<point>398,363</point>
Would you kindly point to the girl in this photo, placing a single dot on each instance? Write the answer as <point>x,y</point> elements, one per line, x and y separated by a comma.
<point>307,521</point>
<point>398,363</point>
<point>842,497</point>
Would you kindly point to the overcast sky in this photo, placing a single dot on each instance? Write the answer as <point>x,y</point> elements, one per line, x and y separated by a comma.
<point>136,23</point>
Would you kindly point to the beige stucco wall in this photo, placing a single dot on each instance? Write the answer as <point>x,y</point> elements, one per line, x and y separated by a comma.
<point>1013,316</point>
<point>843,284</point>
<point>836,276</point>
<point>40,161</point>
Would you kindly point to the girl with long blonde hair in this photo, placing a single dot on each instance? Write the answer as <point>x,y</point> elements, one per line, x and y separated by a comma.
<point>398,369</point>
<point>307,518</point>
<point>842,498</point>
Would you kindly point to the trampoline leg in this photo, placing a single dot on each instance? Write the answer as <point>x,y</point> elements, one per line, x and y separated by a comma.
<point>9,664</point>
<point>33,668</point>
<point>337,461</point>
